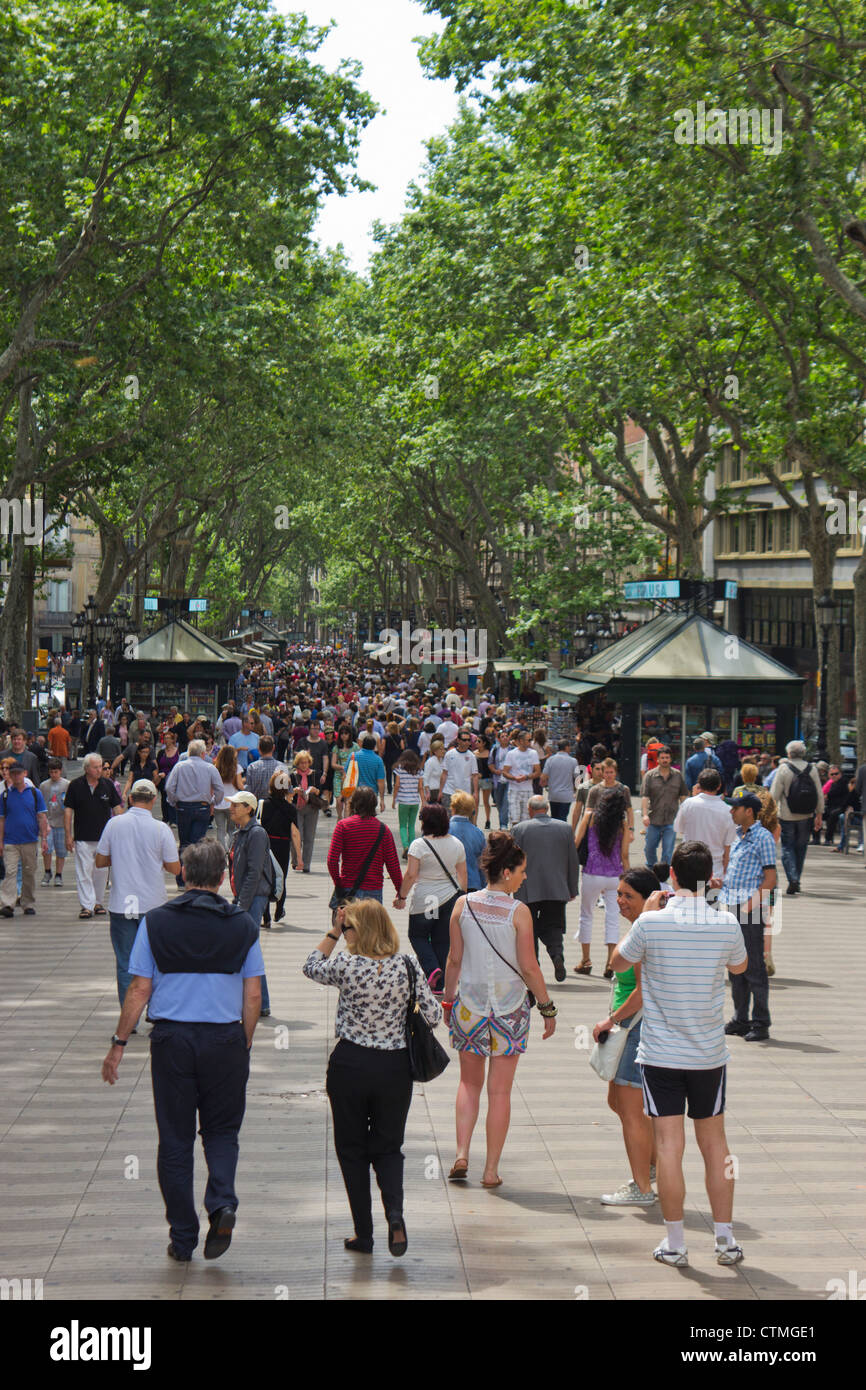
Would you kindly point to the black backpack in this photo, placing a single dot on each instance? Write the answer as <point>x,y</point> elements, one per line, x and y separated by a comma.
<point>802,794</point>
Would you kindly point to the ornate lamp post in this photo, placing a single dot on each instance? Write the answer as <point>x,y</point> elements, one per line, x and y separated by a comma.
<point>826,610</point>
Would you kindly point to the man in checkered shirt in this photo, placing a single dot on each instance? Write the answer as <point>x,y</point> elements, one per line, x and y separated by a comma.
<point>750,875</point>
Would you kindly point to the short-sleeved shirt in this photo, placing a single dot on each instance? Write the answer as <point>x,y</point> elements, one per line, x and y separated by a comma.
<point>561,769</point>
<point>193,998</point>
<point>664,795</point>
<point>91,809</point>
<point>432,878</point>
<point>138,846</point>
<point>753,851</point>
<point>684,950</point>
<point>371,769</point>
<point>58,741</point>
<point>53,794</point>
<point>20,810</point>
<point>245,744</point>
<point>520,763</point>
<point>461,768</point>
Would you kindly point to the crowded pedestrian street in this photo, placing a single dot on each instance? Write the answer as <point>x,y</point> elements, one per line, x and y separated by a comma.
<point>78,1159</point>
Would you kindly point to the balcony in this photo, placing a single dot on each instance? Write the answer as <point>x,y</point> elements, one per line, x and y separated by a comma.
<point>55,617</point>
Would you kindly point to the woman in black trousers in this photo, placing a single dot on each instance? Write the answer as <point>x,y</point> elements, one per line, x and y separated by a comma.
<point>369,1083</point>
<point>280,820</point>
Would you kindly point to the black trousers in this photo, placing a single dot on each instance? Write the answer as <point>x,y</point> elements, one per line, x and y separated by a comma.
<point>197,1068</point>
<point>548,926</point>
<point>430,937</point>
<point>370,1091</point>
<point>281,850</point>
<point>753,984</point>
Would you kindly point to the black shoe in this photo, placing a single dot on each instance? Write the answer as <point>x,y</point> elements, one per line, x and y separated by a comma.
<point>398,1241</point>
<point>175,1254</point>
<point>278,916</point>
<point>7,912</point>
<point>487,825</point>
<point>608,974</point>
<point>30,912</point>
<point>792,890</point>
<point>264,1013</point>
<point>559,968</point>
<point>360,1246</point>
<point>757,1035</point>
<point>737,1030</point>
<point>219,1236</point>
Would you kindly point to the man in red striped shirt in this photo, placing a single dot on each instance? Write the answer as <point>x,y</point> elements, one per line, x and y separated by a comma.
<point>353,838</point>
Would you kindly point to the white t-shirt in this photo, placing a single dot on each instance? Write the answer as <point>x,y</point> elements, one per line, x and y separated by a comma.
<point>432,775</point>
<point>432,881</point>
<point>708,819</point>
<point>520,764</point>
<point>461,767</point>
<point>139,846</point>
<point>684,950</point>
<point>447,730</point>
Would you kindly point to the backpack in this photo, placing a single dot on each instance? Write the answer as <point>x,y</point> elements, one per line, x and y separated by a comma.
<point>802,795</point>
<point>652,755</point>
<point>279,877</point>
<point>5,800</point>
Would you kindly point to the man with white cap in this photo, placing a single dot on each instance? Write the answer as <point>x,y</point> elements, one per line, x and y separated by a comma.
<point>251,872</point>
<point>141,851</point>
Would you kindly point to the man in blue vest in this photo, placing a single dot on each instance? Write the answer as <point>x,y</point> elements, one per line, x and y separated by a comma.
<point>198,964</point>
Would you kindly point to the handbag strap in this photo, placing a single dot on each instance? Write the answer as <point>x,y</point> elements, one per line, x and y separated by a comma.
<point>413,1001</point>
<point>475,919</point>
<point>367,862</point>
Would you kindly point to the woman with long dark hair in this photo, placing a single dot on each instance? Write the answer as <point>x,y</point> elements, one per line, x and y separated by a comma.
<point>608,838</point>
<point>490,969</point>
<point>344,748</point>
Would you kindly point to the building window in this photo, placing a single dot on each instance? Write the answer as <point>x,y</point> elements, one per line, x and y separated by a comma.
<point>786,529</point>
<point>58,596</point>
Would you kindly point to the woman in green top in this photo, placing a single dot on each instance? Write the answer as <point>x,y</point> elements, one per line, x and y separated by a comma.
<point>625,1092</point>
<point>343,748</point>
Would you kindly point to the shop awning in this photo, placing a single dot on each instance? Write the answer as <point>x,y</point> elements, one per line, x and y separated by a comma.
<point>501,665</point>
<point>572,690</point>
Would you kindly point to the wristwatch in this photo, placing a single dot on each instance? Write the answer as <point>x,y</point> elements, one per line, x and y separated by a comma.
<point>119,1042</point>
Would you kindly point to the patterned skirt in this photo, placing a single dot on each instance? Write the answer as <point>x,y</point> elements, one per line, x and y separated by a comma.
<point>489,1035</point>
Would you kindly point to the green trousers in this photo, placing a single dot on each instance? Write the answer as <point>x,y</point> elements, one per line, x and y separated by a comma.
<point>406,815</point>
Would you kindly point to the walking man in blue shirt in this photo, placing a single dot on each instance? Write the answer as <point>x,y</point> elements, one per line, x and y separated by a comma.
<point>371,769</point>
<point>749,879</point>
<point>23,823</point>
<point>198,963</point>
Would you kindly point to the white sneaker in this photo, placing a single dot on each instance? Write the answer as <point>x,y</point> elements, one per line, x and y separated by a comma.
<point>680,1258</point>
<point>728,1254</point>
<point>629,1195</point>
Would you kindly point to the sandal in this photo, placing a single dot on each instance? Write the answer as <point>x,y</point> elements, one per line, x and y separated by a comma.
<point>460,1171</point>
<point>497,1182</point>
<point>85,912</point>
<point>99,910</point>
<point>585,968</point>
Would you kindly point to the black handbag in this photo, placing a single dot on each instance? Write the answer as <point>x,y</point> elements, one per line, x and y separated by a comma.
<point>427,1057</point>
<point>337,901</point>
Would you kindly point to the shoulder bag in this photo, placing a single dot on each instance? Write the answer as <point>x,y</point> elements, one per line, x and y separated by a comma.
<point>337,901</point>
<point>529,994</point>
<point>427,1057</point>
<point>606,1056</point>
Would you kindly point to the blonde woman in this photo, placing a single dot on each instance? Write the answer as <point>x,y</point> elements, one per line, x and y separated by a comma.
<point>769,819</point>
<point>748,775</point>
<point>369,1084</point>
<point>431,778</point>
<point>307,806</point>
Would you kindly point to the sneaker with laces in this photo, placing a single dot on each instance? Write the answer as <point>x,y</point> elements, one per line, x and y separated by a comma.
<point>629,1195</point>
<point>58,880</point>
<point>728,1254</point>
<point>46,878</point>
<point>679,1258</point>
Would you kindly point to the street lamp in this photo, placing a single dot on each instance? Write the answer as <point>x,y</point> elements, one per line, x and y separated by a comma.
<point>826,609</point>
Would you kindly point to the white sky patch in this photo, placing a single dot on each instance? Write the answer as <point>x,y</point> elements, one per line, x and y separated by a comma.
<point>380,33</point>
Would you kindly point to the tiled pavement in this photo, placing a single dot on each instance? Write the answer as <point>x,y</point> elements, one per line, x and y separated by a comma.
<point>77,1157</point>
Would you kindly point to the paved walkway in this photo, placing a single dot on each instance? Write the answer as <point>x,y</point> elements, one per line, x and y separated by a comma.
<point>77,1158</point>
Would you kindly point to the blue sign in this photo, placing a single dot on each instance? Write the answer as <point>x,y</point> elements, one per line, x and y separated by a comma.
<point>730,588</point>
<point>151,605</point>
<point>198,605</point>
<point>653,588</point>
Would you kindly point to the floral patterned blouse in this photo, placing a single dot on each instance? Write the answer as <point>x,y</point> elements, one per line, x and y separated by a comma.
<point>374,996</point>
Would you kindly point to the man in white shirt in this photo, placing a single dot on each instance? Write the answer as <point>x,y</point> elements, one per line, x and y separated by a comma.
<point>684,947</point>
<point>520,766</point>
<point>140,850</point>
<point>707,817</point>
<point>459,771</point>
<point>449,729</point>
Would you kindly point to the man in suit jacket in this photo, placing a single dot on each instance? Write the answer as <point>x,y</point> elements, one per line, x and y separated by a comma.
<point>552,873</point>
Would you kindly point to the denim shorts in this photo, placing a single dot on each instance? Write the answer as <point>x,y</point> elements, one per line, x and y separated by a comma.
<point>628,1072</point>
<point>58,840</point>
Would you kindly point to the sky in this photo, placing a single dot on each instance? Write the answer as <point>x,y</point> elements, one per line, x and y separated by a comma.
<point>379,34</point>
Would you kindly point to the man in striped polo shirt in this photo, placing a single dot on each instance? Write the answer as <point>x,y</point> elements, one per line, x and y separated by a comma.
<point>684,947</point>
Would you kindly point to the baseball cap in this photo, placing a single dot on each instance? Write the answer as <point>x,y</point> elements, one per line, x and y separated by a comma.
<point>244,799</point>
<point>143,787</point>
<point>17,766</point>
<point>749,800</point>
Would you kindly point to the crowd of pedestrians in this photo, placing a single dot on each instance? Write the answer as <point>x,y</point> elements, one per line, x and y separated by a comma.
<point>309,741</point>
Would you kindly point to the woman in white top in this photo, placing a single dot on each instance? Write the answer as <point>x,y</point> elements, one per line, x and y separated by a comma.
<point>226,765</point>
<point>435,876</point>
<point>491,966</point>
<point>433,768</point>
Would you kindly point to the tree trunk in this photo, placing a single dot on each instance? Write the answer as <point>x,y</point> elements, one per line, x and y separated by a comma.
<point>12,640</point>
<point>822,547</point>
<point>860,654</point>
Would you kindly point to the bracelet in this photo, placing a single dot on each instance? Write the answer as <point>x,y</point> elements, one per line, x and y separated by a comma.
<point>331,937</point>
<point>548,1010</point>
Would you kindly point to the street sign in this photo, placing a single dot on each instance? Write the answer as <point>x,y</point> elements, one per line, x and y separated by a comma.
<point>41,659</point>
